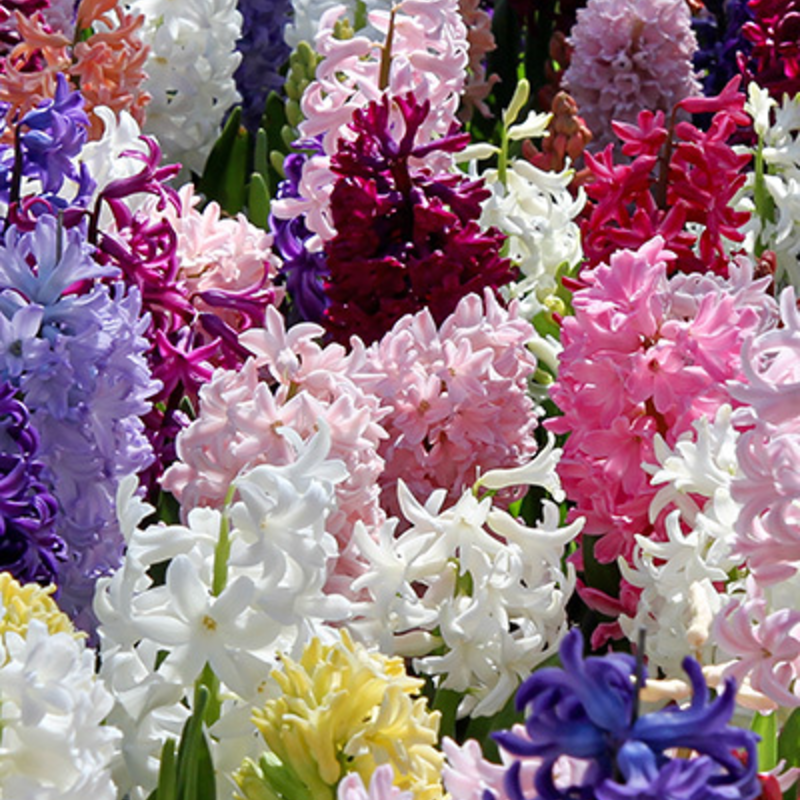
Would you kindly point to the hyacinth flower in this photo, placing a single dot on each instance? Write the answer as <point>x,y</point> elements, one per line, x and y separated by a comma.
<point>774,34</point>
<point>264,51</point>
<point>189,68</point>
<point>30,548</point>
<point>675,181</point>
<point>98,49</point>
<point>74,349</point>
<point>55,740</point>
<point>343,710</point>
<point>628,55</point>
<point>588,709</point>
<point>203,279</point>
<point>644,357</point>
<point>406,238</point>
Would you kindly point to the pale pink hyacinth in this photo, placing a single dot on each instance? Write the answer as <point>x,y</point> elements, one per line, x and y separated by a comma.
<point>220,253</point>
<point>239,421</point>
<point>468,774</point>
<point>381,787</point>
<point>628,55</point>
<point>428,57</point>
<point>765,643</point>
<point>458,394</point>
<point>768,528</point>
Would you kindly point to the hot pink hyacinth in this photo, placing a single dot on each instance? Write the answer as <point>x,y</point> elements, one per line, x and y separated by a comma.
<point>643,355</point>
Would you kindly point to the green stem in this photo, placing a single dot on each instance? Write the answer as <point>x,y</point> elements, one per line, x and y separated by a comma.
<point>223,549</point>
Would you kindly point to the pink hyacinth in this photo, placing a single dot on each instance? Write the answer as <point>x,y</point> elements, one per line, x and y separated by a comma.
<point>225,265</point>
<point>628,55</point>
<point>458,395</point>
<point>768,528</point>
<point>643,355</point>
<point>240,416</point>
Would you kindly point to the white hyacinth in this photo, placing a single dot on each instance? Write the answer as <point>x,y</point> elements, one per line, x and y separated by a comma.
<point>778,129</point>
<point>679,577</point>
<point>54,743</point>
<point>476,595</point>
<point>190,71</point>
<point>236,615</point>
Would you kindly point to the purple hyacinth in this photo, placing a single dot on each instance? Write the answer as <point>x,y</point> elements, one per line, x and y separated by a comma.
<point>264,51</point>
<point>303,271</point>
<point>75,349</point>
<point>30,549</point>
<point>720,41</point>
<point>587,709</point>
<point>49,140</point>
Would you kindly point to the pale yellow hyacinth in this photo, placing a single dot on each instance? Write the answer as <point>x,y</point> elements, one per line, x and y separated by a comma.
<point>22,603</point>
<point>346,709</point>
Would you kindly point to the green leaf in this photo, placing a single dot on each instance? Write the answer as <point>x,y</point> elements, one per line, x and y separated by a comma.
<point>195,767</point>
<point>789,740</point>
<point>481,728</point>
<point>282,779</point>
<point>766,726</point>
<point>226,169</point>
<point>446,701</point>
<point>258,201</point>
<point>166,789</point>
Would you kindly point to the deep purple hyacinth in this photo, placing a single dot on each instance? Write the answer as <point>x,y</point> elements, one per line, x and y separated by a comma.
<point>30,549</point>
<point>406,238</point>
<point>720,42</point>
<point>303,271</point>
<point>587,709</point>
<point>264,52</point>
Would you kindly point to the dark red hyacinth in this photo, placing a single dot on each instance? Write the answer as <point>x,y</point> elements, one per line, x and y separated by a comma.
<point>406,238</point>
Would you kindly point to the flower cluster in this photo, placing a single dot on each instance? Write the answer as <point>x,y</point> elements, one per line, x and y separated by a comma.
<point>54,742</point>
<point>264,51</point>
<point>478,597</point>
<point>679,182</point>
<point>588,710</point>
<point>100,49</point>
<point>242,585</point>
<point>444,385</point>
<point>405,239</point>
<point>643,356</point>
<point>190,74</point>
<point>627,56</point>
<point>78,360</point>
<point>331,719</point>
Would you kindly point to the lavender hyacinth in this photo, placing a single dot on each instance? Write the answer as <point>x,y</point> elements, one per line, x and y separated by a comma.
<point>29,547</point>
<point>264,52</point>
<point>78,360</point>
